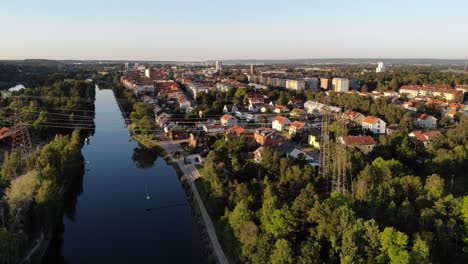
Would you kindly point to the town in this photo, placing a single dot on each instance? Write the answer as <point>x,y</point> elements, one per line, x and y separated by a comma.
<point>267,154</point>
<point>198,103</point>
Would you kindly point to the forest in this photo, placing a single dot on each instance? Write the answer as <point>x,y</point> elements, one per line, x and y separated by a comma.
<point>32,185</point>
<point>397,210</point>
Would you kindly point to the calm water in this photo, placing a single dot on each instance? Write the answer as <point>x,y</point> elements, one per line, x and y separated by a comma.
<point>131,209</point>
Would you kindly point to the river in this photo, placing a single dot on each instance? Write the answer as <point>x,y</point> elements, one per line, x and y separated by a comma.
<point>131,207</point>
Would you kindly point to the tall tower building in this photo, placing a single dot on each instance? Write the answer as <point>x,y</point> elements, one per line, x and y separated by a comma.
<point>219,66</point>
<point>126,66</point>
<point>252,69</point>
<point>380,67</point>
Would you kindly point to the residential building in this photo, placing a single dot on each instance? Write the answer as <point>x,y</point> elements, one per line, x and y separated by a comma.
<point>391,129</point>
<point>297,127</point>
<point>267,137</point>
<point>364,143</point>
<point>177,132</point>
<point>251,117</point>
<point>374,124</point>
<point>255,100</point>
<point>236,131</point>
<point>312,84</point>
<point>298,113</point>
<point>380,67</point>
<point>296,85</point>
<point>439,91</point>
<point>340,85</point>
<point>425,121</point>
<point>299,154</point>
<point>425,136</point>
<point>353,116</point>
<point>162,119</point>
<point>219,66</point>
<point>195,88</point>
<point>228,120</point>
<point>279,109</point>
<point>198,139</point>
<point>280,123</point>
<point>312,107</point>
<point>325,83</point>
<point>213,128</point>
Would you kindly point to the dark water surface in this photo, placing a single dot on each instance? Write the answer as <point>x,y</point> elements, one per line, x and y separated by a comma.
<point>132,208</point>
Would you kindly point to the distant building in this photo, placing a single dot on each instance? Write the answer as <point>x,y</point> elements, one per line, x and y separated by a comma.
<point>296,85</point>
<point>219,66</point>
<point>311,84</point>
<point>432,91</point>
<point>340,85</point>
<point>150,73</point>
<point>380,67</point>
<point>127,67</point>
<point>252,69</point>
<point>325,83</point>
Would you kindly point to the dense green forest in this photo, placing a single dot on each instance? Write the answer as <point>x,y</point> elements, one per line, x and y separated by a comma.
<point>396,211</point>
<point>33,186</point>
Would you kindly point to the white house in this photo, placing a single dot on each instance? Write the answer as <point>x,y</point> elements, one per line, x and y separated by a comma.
<point>213,128</point>
<point>374,124</point>
<point>425,121</point>
<point>280,123</point>
<point>251,117</point>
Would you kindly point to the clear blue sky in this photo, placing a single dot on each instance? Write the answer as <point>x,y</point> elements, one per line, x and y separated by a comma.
<point>233,29</point>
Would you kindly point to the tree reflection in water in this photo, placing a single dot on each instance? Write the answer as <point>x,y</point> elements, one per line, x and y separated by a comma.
<point>144,158</point>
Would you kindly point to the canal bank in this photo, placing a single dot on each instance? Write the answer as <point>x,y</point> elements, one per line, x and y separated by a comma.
<point>132,207</point>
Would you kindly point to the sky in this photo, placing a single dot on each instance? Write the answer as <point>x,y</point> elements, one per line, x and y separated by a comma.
<point>232,29</point>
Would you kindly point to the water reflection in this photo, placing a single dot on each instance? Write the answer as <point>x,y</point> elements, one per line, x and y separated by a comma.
<point>144,158</point>
<point>54,252</point>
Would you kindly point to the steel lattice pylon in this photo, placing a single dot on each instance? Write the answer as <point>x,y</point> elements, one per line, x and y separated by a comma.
<point>324,169</point>
<point>333,157</point>
<point>339,179</point>
<point>21,142</point>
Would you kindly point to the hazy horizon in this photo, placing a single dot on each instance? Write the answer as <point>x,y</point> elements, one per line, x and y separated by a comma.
<point>183,30</point>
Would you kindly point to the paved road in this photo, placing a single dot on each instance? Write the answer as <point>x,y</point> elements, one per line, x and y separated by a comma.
<point>191,174</point>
